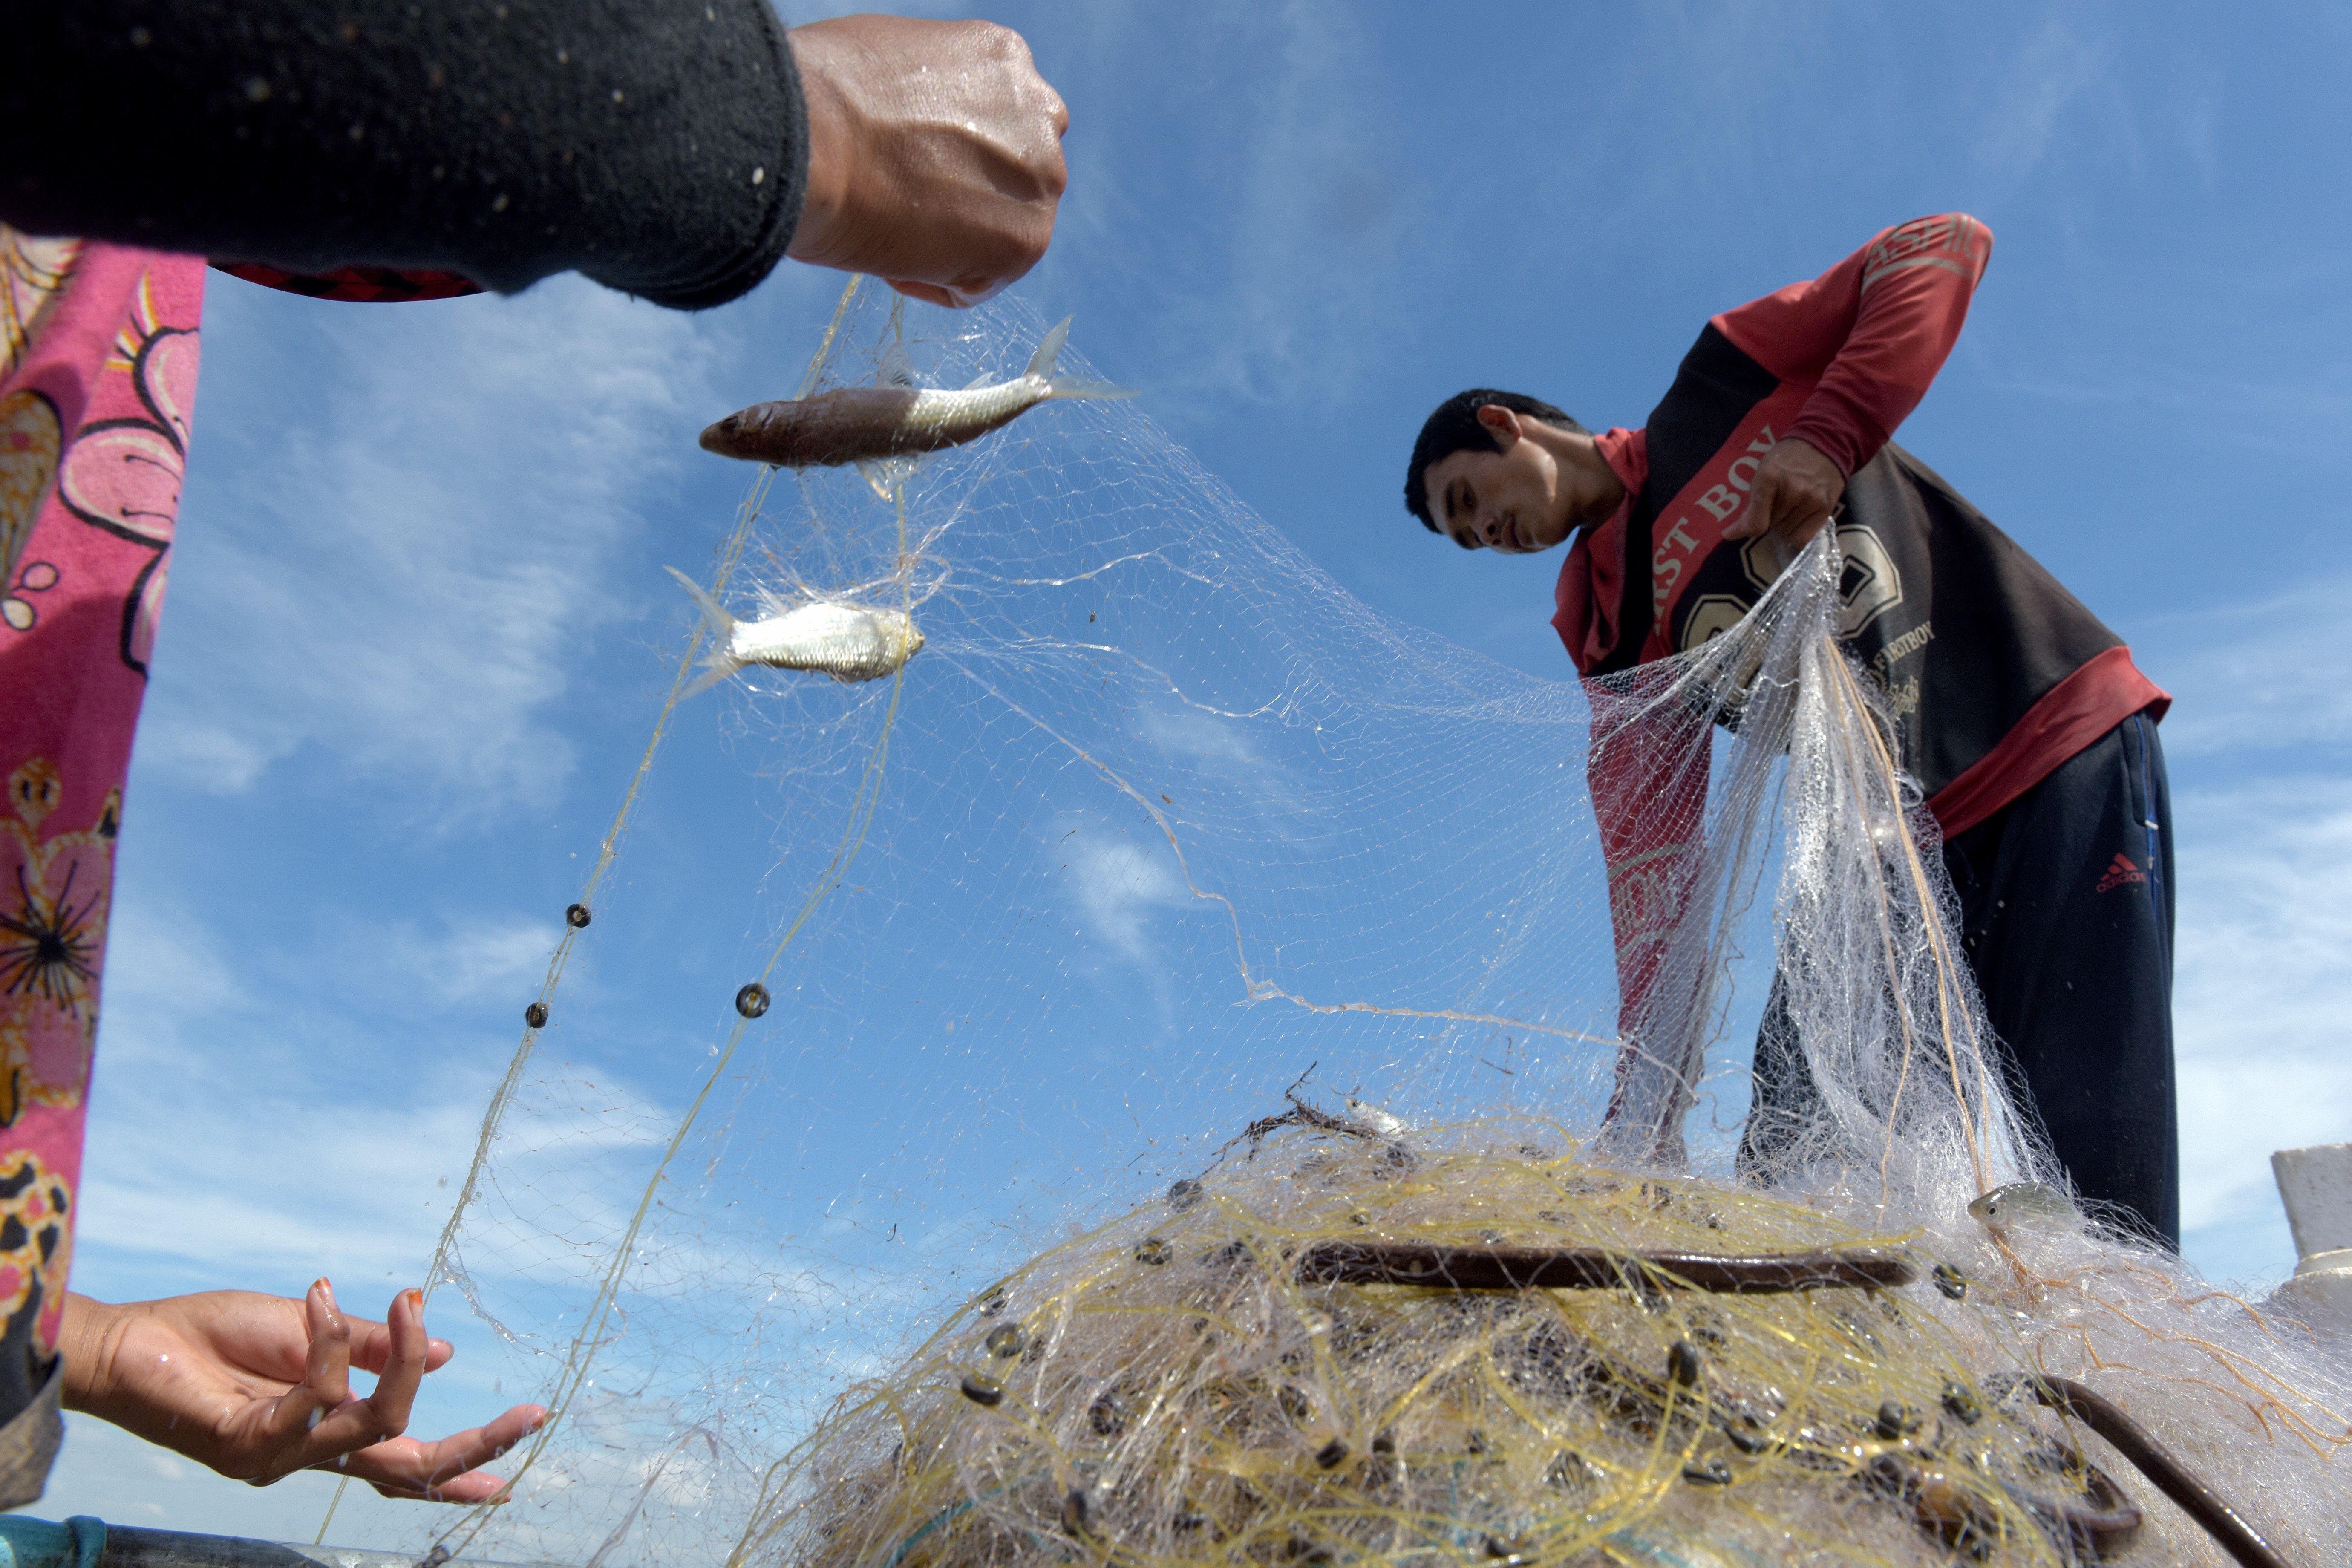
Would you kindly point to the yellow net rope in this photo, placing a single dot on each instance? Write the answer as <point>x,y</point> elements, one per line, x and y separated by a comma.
<point>1168,1390</point>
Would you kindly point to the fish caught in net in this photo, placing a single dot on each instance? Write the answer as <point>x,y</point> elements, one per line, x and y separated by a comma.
<point>988,1235</point>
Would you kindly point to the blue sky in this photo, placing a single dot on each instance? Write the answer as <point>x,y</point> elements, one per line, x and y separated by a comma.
<point>417,629</point>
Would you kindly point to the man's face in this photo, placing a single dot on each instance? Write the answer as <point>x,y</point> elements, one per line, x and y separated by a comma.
<point>1509,501</point>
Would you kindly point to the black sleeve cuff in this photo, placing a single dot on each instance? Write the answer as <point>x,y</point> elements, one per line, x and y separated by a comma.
<point>657,145</point>
<point>780,131</point>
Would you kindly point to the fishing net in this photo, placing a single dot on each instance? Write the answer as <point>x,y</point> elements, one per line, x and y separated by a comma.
<point>1171,1102</point>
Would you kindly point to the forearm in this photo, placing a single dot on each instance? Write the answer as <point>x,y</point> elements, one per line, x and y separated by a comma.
<point>88,1338</point>
<point>1916,285</point>
<point>657,145</point>
<point>1870,333</point>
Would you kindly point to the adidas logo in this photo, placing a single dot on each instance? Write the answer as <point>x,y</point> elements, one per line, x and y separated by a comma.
<point>2119,871</point>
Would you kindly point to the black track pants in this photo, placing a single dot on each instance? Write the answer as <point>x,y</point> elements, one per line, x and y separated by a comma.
<point>2066,918</point>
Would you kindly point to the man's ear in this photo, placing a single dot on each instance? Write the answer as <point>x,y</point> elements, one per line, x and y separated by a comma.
<point>1502,422</point>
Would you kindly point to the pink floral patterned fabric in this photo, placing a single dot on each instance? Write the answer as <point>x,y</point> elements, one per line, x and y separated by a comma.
<point>98,379</point>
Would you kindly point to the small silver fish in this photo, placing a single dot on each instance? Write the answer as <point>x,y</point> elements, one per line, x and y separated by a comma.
<point>847,642</point>
<point>2022,1202</point>
<point>873,424</point>
<point>1379,1120</point>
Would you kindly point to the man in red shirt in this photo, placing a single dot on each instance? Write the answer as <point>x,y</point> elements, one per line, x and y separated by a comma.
<point>2031,732</point>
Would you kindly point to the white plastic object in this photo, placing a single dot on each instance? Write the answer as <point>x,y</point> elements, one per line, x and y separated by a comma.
<point>2315,1184</point>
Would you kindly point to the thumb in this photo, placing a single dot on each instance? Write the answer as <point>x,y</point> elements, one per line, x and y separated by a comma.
<point>1761,503</point>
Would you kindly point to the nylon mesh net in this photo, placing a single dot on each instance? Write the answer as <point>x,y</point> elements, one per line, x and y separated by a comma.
<point>1174,930</point>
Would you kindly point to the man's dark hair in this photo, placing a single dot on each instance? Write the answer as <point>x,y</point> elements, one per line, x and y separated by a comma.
<point>1454,428</point>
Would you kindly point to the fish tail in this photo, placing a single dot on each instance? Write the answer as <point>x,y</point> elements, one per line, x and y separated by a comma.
<point>713,615</point>
<point>1100,389</point>
<point>1042,366</point>
<point>718,667</point>
<point>720,663</point>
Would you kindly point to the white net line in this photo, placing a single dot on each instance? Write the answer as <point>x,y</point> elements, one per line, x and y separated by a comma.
<point>1160,820</point>
<point>1870,990</point>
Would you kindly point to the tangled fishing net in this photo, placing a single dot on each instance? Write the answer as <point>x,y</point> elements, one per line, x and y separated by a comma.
<point>1173,1389</point>
<point>1182,1133</point>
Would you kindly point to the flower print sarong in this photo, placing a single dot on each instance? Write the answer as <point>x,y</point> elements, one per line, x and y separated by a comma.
<point>97,376</point>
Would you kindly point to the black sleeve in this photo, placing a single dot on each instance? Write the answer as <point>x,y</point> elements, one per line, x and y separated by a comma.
<point>660,146</point>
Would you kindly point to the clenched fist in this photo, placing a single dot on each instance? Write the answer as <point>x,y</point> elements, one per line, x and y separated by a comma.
<point>935,154</point>
<point>1796,490</point>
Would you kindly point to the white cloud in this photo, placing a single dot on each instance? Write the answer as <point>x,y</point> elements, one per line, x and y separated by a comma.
<point>403,567</point>
<point>1223,766</point>
<point>161,962</point>
<point>1199,734</point>
<point>2052,70</point>
<point>167,968</point>
<point>209,755</point>
<point>2263,809</point>
<point>2265,675</point>
<point>2262,987</point>
<point>237,1137</point>
<point>240,1184</point>
<point>2264,981</point>
<point>1120,881</point>
<point>470,958</point>
<point>1270,304</point>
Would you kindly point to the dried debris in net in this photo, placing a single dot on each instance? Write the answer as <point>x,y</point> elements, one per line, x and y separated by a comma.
<point>1170,1390</point>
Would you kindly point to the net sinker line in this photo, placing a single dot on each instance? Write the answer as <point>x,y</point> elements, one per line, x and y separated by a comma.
<point>862,807</point>
<point>608,851</point>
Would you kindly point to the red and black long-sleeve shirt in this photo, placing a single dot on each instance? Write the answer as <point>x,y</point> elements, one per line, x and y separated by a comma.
<point>1994,672</point>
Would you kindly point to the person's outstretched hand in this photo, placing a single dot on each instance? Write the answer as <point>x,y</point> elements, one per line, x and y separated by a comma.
<point>259,1387</point>
<point>1796,490</point>
<point>935,154</point>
